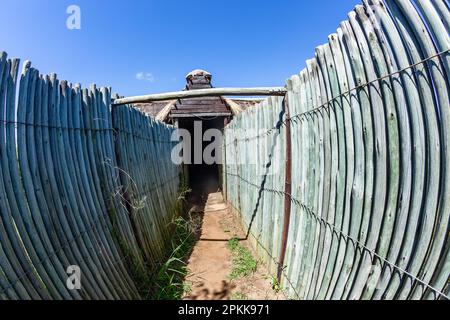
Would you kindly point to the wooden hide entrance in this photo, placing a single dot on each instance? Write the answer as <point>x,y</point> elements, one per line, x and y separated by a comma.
<point>207,113</point>
<point>202,177</point>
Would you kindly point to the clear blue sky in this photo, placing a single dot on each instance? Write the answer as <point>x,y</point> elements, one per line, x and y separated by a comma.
<point>241,42</point>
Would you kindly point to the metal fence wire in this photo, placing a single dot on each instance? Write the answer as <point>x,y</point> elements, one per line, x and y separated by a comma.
<point>370,131</point>
<point>81,184</point>
<point>87,184</point>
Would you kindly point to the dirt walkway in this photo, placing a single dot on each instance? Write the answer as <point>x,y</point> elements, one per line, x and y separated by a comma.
<point>211,261</point>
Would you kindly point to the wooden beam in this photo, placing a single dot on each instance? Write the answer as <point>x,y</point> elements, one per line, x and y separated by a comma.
<point>235,107</point>
<point>164,113</point>
<point>215,92</point>
<point>203,115</point>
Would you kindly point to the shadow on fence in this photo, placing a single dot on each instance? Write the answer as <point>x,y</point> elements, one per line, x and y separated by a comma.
<point>81,185</point>
<point>370,119</point>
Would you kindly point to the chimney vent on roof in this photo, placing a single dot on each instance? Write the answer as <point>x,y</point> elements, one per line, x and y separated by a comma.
<point>198,73</point>
<point>199,79</point>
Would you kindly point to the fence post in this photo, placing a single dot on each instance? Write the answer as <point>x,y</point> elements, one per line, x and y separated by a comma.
<point>287,188</point>
<point>223,164</point>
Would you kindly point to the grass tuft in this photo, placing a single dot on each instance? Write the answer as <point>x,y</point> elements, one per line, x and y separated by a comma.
<point>276,286</point>
<point>238,296</point>
<point>243,262</point>
<point>170,280</point>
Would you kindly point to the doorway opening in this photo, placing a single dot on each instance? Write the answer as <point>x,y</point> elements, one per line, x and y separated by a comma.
<point>212,111</point>
<point>203,177</point>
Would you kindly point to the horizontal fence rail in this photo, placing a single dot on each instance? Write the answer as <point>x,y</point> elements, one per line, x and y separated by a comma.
<point>200,93</point>
<point>370,130</point>
<point>82,185</point>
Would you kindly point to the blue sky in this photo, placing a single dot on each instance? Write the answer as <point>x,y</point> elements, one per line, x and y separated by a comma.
<point>139,47</point>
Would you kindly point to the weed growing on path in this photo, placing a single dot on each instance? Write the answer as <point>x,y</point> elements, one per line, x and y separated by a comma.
<point>239,296</point>
<point>170,279</point>
<point>243,262</point>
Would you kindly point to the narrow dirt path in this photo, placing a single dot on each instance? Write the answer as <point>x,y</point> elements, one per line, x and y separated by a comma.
<point>211,261</point>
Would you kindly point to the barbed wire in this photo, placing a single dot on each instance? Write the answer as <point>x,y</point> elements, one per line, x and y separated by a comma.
<point>48,126</point>
<point>338,231</point>
<point>99,222</point>
<point>86,129</point>
<point>341,95</point>
<point>140,137</point>
<point>275,261</point>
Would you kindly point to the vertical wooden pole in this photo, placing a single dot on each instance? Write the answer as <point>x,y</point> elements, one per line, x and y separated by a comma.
<point>224,159</point>
<point>287,189</point>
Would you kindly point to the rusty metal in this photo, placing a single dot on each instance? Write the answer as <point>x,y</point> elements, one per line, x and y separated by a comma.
<point>224,166</point>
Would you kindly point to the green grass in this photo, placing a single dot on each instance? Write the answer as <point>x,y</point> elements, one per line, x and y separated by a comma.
<point>170,280</point>
<point>243,262</point>
<point>276,286</point>
<point>163,280</point>
<point>238,296</point>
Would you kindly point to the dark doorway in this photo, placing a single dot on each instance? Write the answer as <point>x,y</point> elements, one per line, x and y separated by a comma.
<point>203,178</point>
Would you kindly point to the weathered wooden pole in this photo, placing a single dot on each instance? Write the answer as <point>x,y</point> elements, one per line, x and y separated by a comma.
<point>224,159</point>
<point>215,92</point>
<point>287,189</point>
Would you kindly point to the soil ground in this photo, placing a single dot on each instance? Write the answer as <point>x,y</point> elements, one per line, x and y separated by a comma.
<point>211,262</point>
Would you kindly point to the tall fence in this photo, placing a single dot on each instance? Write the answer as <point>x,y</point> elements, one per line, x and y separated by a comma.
<point>370,128</point>
<point>82,187</point>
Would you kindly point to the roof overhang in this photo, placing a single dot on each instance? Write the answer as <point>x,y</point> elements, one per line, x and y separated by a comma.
<point>203,115</point>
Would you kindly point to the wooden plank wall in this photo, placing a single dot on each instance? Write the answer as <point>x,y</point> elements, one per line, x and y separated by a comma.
<point>80,184</point>
<point>370,119</point>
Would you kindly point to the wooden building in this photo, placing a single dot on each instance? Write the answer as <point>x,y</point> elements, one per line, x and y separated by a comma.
<point>208,107</point>
<point>205,112</point>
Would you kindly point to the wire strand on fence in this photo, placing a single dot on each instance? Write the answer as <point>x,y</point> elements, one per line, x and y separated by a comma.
<point>114,130</point>
<point>328,103</point>
<point>145,138</point>
<point>96,223</point>
<point>47,126</point>
<point>344,235</point>
<point>274,260</point>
